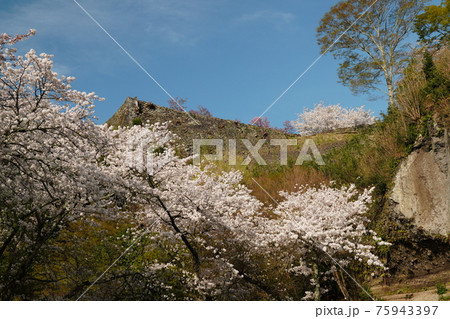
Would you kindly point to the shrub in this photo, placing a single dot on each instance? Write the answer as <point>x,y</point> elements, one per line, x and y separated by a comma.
<point>136,121</point>
<point>260,121</point>
<point>177,104</point>
<point>424,89</point>
<point>202,111</point>
<point>441,289</point>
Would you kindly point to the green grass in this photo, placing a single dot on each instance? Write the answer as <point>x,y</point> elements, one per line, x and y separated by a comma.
<point>441,289</point>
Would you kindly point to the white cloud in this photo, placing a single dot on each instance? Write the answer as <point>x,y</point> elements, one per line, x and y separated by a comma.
<point>272,17</point>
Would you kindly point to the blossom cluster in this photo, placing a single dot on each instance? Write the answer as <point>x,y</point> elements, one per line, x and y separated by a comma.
<point>327,118</point>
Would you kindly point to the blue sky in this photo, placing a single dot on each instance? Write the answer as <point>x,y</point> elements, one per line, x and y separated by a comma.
<point>233,57</point>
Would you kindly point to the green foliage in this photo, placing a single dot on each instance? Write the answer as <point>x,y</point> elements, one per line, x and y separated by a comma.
<point>441,289</point>
<point>371,157</point>
<point>433,26</point>
<point>159,150</point>
<point>423,94</point>
<point>409,95</point>
<point>136,121</point>
<point>438,84</point>
<point>362,295</point>
<point>383,250</point>
<point>85,249</point>
<point>435,92</point>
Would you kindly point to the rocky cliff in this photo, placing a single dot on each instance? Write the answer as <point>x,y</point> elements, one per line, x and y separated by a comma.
<point>421,189</point>
<point>191,126</point>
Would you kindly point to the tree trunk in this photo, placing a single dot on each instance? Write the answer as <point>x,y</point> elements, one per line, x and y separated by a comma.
<point>447,146</point>
<point>190,247</point>
<point>391,94</point>
<point>341,283</point>
<point>390,87</point>
<point>316,278</point>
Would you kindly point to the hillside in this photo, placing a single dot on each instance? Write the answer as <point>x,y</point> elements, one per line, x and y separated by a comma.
<point>188,127</point>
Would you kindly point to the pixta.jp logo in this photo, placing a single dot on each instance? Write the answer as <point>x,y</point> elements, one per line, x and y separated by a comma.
<point>308,151</point>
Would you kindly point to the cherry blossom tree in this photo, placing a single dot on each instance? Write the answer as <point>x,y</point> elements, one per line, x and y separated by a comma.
<point>326,225</point>
<point>260,121</point>
<point>58,166</point>
<point>208,213</point>
<point>49,154</point>
<point>327,118</point>
<point>7,40</point>
<point>357,117</point>
<point>288,127</point>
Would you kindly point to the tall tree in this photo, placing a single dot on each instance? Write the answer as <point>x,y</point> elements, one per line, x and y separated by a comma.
<point>49,176</point>
<point>433,26</point>
<point>368,37</point>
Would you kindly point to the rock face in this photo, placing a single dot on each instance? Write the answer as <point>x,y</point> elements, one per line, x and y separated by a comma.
<point>422,186</point>
<point>196,126</point>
